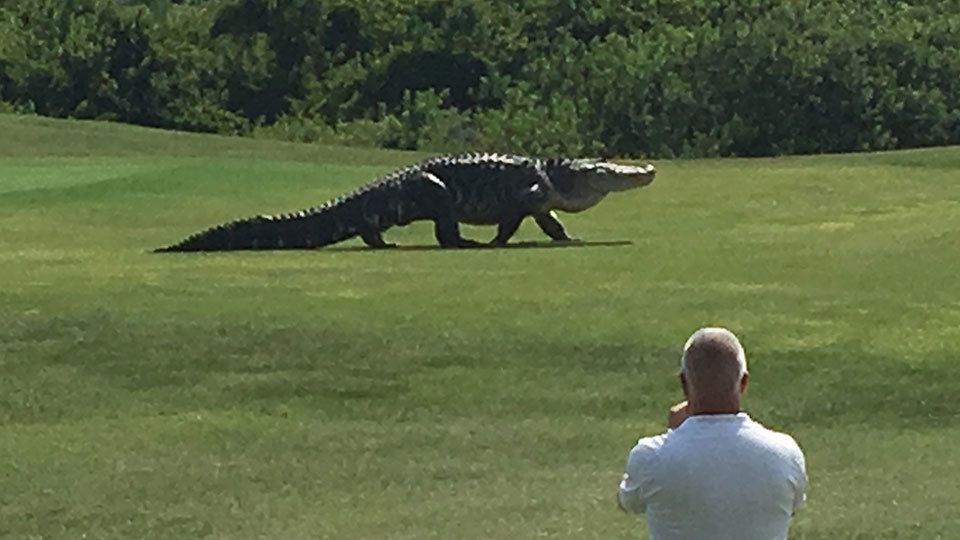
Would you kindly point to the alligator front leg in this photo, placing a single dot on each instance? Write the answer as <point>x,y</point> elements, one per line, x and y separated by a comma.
<point>528,202</point>
<point>551,225</point>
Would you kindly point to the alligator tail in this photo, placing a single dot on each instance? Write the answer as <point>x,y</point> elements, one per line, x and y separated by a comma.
<point>315,227</point>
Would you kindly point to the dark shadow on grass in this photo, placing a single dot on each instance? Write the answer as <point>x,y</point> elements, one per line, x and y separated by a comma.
<point>422,247</point>
<point>516,245</point>
<point>844,385</point>
<point>184,365</point>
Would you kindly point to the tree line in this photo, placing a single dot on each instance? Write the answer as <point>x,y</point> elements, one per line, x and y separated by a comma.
<point>630,78</point>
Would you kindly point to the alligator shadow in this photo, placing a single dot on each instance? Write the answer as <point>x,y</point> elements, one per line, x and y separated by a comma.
<point>515,245</point>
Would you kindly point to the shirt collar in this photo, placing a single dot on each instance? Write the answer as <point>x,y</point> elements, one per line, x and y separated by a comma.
<point>716,418</point>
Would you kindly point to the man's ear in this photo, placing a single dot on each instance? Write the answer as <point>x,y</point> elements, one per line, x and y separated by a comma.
<point>743,382</point>
<point>684,385</point>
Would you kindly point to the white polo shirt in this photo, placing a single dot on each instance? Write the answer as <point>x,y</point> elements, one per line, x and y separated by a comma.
<point>718,476</point>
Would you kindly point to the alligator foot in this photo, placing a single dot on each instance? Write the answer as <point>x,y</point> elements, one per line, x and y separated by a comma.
<point>464,243</point>
<point>384,245</point>
<point>467,243</point>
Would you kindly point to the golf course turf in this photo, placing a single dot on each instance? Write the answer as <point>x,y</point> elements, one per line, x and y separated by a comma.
<point>423,393</point>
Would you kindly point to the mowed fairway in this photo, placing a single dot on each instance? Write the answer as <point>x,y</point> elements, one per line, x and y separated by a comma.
<point>345,393</point>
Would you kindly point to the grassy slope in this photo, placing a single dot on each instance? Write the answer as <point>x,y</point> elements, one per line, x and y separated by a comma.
<point>472,394</point>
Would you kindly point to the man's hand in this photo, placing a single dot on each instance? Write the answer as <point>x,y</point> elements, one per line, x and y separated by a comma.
<point>678,413</point>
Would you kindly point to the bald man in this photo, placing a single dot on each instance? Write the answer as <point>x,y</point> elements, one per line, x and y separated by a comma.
<point>715,473</point>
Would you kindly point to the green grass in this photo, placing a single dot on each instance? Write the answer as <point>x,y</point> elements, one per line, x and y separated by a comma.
<point>454,394</point>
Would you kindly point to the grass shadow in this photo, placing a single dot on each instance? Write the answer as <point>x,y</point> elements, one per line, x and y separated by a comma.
<point>848,386</point>
<point>424,247</point>
<point>516,245</point>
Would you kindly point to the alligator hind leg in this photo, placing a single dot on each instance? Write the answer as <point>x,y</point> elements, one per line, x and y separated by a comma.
<point>551,225</point>
<point>441,209</point>
<point>374,239</point>
<point>447,231</point>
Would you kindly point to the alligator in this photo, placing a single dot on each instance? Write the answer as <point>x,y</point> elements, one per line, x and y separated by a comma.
<point>475,188</point>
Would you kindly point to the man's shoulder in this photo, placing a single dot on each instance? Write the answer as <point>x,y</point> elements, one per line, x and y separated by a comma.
<point>648,447</point>
<point>784,438</point>
<point>644,456</point>
<point>779,439</point>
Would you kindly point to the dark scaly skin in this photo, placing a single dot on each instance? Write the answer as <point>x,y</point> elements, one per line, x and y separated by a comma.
<point>479,189</point>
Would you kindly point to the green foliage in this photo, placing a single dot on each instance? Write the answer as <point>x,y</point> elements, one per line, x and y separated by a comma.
<point>294,128</point>
<point>527,124</point>
<point>11,108</point>
<point>424,122</point>
<point>96,59</point>
<point>697,78</point>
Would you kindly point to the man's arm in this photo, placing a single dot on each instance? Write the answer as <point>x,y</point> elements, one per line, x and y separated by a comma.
<point>629,495</point>
<point>800,482</point>
<point>637,483</point>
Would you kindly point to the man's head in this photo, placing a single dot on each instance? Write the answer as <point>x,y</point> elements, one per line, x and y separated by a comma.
<point>713,370</point>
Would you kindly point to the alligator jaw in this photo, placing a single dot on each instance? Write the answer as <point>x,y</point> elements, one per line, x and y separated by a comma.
<point>616,177</point>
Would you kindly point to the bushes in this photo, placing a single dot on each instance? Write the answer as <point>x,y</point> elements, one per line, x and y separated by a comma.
<point>704,77</point>
<point>97,59</point>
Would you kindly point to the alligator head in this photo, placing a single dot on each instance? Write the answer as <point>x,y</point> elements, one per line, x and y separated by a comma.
<point>581,183</point>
